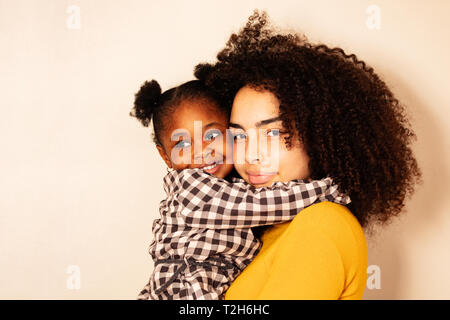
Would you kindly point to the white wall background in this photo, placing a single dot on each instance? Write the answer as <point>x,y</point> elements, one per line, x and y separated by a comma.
<point>81,180</point>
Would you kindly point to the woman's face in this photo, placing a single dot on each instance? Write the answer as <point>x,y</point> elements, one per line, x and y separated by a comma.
<point>260,154</point>
<point>195,138</point>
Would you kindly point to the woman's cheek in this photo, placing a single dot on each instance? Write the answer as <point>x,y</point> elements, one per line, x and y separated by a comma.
<point>239,165</point>
<point>293,164</point>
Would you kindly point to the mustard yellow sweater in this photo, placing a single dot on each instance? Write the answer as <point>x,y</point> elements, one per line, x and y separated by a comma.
<point>321,254</point>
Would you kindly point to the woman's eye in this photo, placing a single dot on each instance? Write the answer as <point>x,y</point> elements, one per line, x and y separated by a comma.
<point>239,136</point>
<point>211,135</point>
<point>183,144</point>
<point>273,133</point>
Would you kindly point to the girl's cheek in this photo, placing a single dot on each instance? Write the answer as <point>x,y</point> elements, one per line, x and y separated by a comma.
<point>182,158</point>
<point>219,149</point>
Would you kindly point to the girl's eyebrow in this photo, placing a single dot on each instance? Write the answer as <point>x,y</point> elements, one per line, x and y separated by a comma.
<point>175,136</point>
<point>258,124</point>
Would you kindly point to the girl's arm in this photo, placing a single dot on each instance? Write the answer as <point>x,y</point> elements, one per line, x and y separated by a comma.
<point>214,203</point>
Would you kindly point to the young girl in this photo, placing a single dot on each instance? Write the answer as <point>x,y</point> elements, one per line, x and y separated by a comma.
<point>203,239</point>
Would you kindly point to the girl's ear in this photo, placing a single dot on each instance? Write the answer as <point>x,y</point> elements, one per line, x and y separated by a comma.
<point>164,156</point>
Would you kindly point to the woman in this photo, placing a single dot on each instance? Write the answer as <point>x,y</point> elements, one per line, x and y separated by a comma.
<point>337,118</point>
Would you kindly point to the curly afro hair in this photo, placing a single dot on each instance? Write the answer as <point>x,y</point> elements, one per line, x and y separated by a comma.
<point>353,128</point>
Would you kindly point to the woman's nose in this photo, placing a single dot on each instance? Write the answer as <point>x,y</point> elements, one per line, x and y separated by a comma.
<point>252,150</point>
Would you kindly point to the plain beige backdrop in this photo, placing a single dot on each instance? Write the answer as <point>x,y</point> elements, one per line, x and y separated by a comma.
<point>81,181</point>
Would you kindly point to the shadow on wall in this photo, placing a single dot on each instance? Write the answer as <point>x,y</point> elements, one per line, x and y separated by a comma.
<point>390,246</point>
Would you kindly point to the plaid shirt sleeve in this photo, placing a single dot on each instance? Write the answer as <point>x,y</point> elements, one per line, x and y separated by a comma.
<point>213,203</point>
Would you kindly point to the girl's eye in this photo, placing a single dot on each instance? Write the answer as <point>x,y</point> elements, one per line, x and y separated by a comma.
<point>183,144</point>
<point>212,134</point>
<point>273,133</point>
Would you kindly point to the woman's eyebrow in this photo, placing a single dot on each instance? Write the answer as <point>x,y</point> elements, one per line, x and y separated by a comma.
<point>212,124</point>
<point>258,124</point>
<point>235,125</point>
<point>267,121</point>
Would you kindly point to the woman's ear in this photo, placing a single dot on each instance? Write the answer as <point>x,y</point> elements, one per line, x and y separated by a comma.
<point>164,156</point>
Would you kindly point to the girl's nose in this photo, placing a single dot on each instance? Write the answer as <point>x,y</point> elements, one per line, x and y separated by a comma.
<point>208,155</point>
<point>204,155</point>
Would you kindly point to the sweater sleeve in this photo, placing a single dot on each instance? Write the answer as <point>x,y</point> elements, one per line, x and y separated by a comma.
<point>213,203</point>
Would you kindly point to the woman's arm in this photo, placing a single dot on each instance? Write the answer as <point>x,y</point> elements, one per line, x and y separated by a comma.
<point>214,203</point>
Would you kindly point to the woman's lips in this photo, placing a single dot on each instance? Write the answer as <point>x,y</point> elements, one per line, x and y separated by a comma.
<point>260,178</point>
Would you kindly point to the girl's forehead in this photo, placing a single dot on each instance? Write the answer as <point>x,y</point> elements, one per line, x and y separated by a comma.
<point>190,112</point>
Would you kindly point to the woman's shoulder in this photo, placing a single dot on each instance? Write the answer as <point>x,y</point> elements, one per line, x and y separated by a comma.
<point>326,217</point>
<point>327,236</point>
<point>331,218</point>
<point>328,226</point>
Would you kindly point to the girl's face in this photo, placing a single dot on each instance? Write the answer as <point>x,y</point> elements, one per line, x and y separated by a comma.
<point>260,154</point>
<point>195,137</point>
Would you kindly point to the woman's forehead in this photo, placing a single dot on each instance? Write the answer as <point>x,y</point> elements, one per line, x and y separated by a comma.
<point>252,108</point>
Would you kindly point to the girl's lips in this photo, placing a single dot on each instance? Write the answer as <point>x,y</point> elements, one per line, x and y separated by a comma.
<point>260,178</point>
<point>214,169</point>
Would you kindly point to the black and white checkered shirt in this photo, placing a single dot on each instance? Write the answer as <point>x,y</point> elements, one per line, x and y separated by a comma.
<point>203,240</point>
